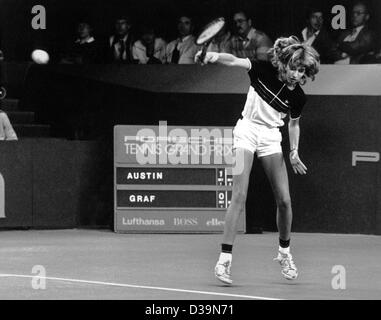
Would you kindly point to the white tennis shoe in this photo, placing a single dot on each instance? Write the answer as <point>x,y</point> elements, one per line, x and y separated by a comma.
<point>222,272</point>
<point>288,268</point>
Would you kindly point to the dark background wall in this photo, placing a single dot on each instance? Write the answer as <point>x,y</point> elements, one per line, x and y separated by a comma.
<point>275,17</point>
<point>55,183</point>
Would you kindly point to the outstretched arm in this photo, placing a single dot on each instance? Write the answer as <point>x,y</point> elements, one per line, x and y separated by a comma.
<point>294,133</point>
<point>226,59</point>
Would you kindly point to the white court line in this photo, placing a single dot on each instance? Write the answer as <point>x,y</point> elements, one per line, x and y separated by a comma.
<point>140,287</point>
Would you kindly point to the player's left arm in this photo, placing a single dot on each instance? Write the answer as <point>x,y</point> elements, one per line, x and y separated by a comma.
<point>294,134</point>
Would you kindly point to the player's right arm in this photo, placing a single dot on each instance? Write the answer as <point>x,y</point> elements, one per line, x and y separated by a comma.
<point>226,59</point>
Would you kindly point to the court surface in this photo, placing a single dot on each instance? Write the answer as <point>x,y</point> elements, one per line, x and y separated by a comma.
<point>92,264</point>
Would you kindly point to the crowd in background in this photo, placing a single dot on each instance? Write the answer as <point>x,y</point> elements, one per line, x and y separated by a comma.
<point>140,44</point>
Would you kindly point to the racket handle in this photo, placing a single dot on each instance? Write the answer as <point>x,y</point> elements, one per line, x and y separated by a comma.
<point>203,52</point>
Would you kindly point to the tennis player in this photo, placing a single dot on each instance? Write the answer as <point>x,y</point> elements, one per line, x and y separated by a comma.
<point>275,92</point>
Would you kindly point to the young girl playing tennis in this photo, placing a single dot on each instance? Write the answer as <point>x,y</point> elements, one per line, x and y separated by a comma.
<point>275,92</point>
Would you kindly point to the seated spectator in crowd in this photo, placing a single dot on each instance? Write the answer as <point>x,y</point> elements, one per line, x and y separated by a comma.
<point>247,42</point>
<point>183,49</point>
<point>119,46</point>
<point>221,42</point>
<point>149,49</point>
<point>357,42</point>
<point>85,49</point>
<point>6,130</point>
<point>316,35</point>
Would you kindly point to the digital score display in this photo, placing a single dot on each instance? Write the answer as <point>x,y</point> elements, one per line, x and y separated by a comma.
<point>184,196</point>
<point>174,176</point>
<point>172,199</point>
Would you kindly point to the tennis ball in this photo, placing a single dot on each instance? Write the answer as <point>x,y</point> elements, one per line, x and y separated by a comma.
<point>40,56</point>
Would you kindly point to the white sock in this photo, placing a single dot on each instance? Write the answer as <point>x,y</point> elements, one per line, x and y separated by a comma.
<point>284,250</point>
<point>224,256</point>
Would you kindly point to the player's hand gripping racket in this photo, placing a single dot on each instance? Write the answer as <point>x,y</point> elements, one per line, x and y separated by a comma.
<point>207,35</point>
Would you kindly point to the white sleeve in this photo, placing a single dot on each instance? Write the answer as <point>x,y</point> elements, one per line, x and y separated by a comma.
<point>250,65</point>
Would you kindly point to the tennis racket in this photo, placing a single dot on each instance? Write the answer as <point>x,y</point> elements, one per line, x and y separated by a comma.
<point>207,35</point>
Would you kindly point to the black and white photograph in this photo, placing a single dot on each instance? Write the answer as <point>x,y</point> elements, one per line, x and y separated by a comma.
<point>145,143</point>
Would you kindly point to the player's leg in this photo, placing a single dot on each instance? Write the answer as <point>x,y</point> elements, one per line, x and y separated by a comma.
<point>239,194</point>
<point>276,171</point>
<point>241,177</point>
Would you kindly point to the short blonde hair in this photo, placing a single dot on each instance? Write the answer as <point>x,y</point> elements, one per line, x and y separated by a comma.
<point>293,53</point>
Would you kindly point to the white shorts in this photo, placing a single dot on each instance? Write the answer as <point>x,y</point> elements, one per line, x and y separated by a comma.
<point>257,138</point>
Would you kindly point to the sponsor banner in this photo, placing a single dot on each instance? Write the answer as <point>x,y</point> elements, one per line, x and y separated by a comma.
<point>172,221</point>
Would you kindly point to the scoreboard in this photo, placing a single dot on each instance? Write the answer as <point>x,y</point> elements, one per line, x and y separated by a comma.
<point>170,179</point>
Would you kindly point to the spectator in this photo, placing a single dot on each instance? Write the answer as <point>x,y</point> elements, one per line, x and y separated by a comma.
<point>85,49</point>
<point>149,49</point>
<point>6,130</point>
<point>222,42</point>
<point>247,41</point>
<point>183,49</point>
<point>119,47</point>
<point>315,35</point>
<point>357,42</point>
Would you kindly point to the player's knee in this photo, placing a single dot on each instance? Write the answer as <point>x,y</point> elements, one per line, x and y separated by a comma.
<point>284,203</point>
